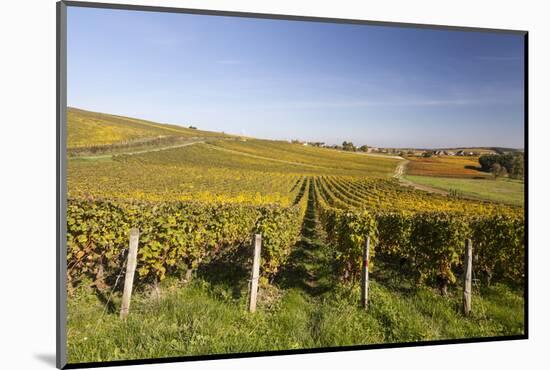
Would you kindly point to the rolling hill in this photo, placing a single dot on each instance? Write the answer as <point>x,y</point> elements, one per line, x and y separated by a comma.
<point>96,131</point>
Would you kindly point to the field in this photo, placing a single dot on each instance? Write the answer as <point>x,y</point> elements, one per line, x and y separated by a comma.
<point>198,197</point>
<point>501,190</point>
<point>445,166</point>
<point>461,176</point>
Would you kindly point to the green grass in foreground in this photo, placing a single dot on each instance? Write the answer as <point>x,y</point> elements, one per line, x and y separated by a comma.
<point>502,190</point>
<point>203,318</point>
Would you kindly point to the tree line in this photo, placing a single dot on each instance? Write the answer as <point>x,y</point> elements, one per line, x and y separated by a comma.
<point>346,145</point>
<point>511,164</point>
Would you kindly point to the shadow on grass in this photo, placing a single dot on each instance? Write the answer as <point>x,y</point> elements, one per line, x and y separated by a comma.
<point>103,296</point>
<point>308,266</point>
<point>300,193</point>
<point>476,168</point>
<point>231,273</point>
<point>395,274</point>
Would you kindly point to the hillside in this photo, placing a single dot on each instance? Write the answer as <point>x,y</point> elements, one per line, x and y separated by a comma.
<point>92,130</point>
<point>196,164</point>
<point>178,163</point>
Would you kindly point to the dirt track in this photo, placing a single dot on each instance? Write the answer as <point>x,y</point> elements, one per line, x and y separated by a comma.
<point>154,149</point>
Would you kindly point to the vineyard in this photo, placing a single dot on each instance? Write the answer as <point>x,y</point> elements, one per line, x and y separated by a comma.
<point>196,208</point>
<point>429,242</point>
<point>91,132</point>
<point>184,234</point>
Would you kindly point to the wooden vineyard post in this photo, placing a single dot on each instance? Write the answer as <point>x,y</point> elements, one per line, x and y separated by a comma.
<point>365,275</point>
<point>467,299</point>
<point>257,246</point>
<point>130,270</point>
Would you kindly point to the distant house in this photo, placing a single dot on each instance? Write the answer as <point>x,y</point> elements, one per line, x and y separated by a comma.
<point>460,152</point>
<point>439,152</point>
<point>304,144</point>
<point>450,153</point>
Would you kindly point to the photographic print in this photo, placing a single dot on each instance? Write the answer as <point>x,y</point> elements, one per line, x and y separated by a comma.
<point>240,184</point>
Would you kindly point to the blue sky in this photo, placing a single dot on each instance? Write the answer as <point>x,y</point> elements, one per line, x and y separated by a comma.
<point>381,86</point>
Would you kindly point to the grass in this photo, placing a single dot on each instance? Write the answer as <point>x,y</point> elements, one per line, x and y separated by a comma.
<point>202,318</point>
<point>501,190</point>
<point>446,166</point>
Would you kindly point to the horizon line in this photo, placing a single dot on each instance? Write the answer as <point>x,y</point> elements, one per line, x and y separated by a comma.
<point>304,140</point>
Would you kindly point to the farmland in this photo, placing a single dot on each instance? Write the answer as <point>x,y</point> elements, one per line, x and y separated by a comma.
<point>462,176</point>
<point>197,205</point>
<point>446,166</point>
<point>501,190</point>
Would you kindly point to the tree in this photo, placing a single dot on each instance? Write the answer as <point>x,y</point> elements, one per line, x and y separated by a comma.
<point>495,169</point>
<point>513,164</point>
<point>486,161</point>
<point>517,168</point>
<point>192,127</point>
<point>427,154</point>
<point>364,148</point>
<point>348,146</point>
<point>498,170</point>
